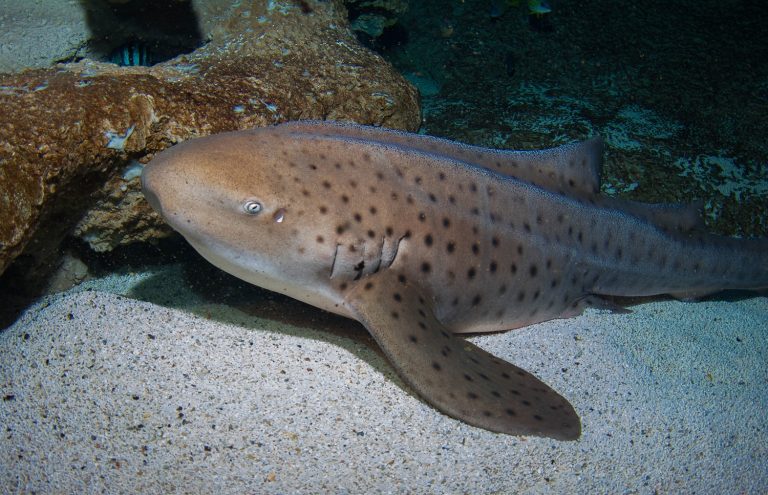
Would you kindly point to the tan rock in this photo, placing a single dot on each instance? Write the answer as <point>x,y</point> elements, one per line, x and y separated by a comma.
<point>70,135</point>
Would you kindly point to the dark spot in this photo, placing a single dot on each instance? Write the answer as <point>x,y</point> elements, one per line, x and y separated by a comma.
<point>452,199</point>
<point>467,377</point>
<point>432,198</point>
<point>475,211</point>
<point>495,242</point>
<point>521,296</point>
<point>426,267</point>
<point>368,286</point>
<point>526,226</point>
<point>487,414</point>
<point>513,268</point>
<point>340,229</point>
<point>320,239</point>
<point>436,366</point>
<point>511,412</point>
<point>472,395</point>
<point>471,273</point>
<point>534,270</point>
<point>495,394</point>
<point>373,210</point>
<point>473,187</point>
<point>413,338</point>
<point>520,249</point>
<point>343,286</point>
<point>422,325</point>
<point>401,278</point>
<point>537,417</point>
<point>312,166</point>
<point>366,157</point>
<point>397,297</point>
<point>395,315</point>
<point>422,216</point>
<point>428,240</point>
<point>493,267</point>
<point>371,234</point>
<point>450,247</point>
<point>476,300</point>
<point>305,193</point>
<point>446,222</point>
<point>379,175</point>
<point>344,198</point>
<point>502,289</point>
<point>326,184</point>
<point>358,217</point>
<point>475,248</point>
<point>441,176</point>
<point>389,231</point>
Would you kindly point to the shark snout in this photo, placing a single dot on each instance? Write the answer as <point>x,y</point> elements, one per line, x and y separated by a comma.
<point>146,187</point>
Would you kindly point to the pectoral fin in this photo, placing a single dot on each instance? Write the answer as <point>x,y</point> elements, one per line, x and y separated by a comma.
<point>453,375</point>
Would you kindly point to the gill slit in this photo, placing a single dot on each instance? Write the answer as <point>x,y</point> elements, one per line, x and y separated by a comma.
<point>333,262</point>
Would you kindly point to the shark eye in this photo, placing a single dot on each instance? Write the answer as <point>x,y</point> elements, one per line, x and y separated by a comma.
<point>252,207</point>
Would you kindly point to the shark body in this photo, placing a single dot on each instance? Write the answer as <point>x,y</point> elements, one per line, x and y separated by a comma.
<point>421,238</point>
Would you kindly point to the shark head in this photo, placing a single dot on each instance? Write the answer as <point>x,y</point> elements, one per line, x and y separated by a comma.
<point>236,201</point>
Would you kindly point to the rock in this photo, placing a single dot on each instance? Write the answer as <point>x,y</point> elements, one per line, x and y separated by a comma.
<point>73,137</point>
<point>372,17</point>
<point>69,273</point>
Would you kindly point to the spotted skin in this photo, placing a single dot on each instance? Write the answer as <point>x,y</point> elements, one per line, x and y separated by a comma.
<point>370,224</point>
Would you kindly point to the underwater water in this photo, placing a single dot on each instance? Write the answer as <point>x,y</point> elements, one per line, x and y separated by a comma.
<point>142,368</point>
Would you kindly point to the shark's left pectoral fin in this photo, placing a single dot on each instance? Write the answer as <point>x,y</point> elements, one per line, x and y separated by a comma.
<point>453,375</point>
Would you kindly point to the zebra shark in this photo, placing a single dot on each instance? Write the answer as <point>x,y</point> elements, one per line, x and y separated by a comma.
<point>421,239</point>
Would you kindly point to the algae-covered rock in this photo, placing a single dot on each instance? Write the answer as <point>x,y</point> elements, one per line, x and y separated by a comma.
<point>373,16</point>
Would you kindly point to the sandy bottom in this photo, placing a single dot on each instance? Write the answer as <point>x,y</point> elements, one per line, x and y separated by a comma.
<point>169,391</point>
